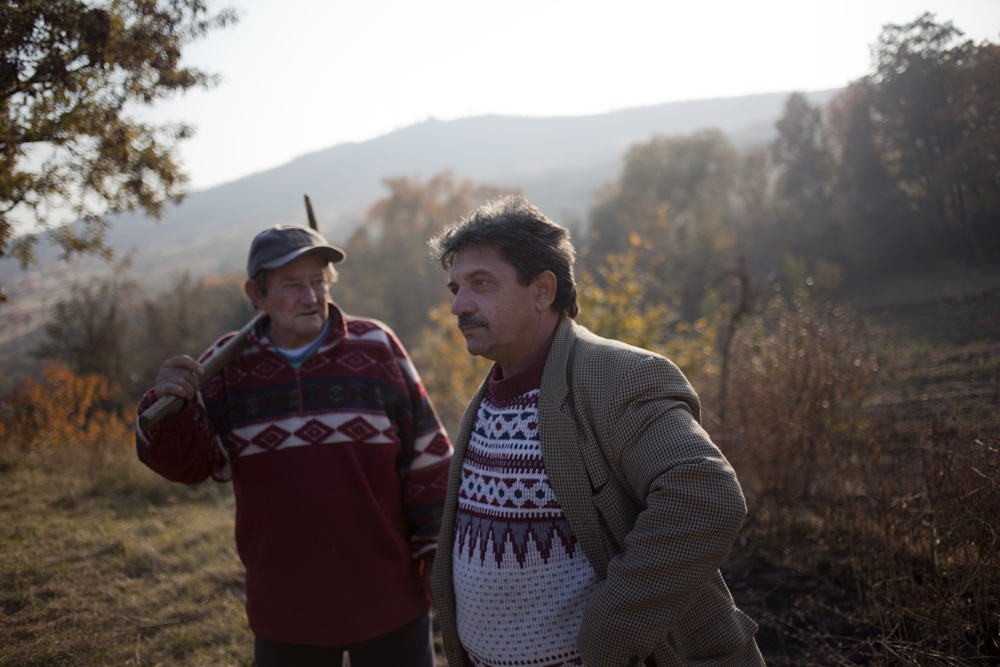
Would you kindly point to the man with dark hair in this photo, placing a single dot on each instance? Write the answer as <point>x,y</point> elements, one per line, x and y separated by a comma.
<point>337,459</point>
<point>587,511</point>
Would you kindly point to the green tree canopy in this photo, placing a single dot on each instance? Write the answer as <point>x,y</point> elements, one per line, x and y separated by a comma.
<point>72,74</point>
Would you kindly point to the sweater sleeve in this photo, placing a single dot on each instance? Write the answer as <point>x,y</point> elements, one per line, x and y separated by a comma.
<point>186,447</point>
<point>425,470</point>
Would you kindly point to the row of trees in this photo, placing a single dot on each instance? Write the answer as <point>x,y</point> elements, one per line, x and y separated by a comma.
<point>901,172</point>
<point>906,164</point>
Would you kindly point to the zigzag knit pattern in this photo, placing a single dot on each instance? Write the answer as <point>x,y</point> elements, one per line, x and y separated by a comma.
<point>521,579</point>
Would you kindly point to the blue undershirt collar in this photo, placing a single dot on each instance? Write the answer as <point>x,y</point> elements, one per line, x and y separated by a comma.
<point>298,356</point>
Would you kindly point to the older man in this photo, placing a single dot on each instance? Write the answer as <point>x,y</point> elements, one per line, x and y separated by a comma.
<point>337,459</point>
<point>587,511</point>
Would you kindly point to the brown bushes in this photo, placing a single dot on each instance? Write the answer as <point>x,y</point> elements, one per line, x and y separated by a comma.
<point>62,411</point>
<point>904,525</point>
<point>868,541</point>
<point>925,540</point>
<point>61,426</point>
<point>801,370</point>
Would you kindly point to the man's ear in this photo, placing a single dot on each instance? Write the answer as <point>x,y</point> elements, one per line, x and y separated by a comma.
<point>545,284</point>
<point>253,291</point>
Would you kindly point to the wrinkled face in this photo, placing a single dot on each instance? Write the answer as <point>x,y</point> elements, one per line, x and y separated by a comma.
<point>296,301</point>
<point>496,314</point>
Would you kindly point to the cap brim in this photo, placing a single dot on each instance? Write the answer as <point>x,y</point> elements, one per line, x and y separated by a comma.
<point>330,253</point>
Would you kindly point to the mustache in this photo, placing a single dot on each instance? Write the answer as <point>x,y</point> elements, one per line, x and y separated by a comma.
<point>472,320</point>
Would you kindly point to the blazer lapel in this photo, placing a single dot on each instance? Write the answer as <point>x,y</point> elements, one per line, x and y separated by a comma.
<point>561,452</point>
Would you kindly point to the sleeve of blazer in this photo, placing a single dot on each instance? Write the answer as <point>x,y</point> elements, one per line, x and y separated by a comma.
<point>694,508</point>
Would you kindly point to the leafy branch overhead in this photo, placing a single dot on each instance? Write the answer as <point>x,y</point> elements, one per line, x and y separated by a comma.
<point>72,74</point>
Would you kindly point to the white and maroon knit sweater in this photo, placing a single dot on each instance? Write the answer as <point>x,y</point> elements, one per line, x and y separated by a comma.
<point>521,579</point>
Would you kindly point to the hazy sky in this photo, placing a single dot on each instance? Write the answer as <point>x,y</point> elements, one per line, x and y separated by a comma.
<point>302,75</point>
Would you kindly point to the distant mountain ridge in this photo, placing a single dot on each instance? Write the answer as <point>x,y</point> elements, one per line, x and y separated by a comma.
<point>556,162</point>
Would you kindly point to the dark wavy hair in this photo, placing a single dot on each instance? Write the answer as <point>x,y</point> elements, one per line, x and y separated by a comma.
<point>526,239</point>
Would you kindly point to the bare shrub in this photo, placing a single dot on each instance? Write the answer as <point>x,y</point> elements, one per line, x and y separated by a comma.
<point>187,318</point>
<point>800,371</point>
<point>93,330</point>
<point>925,538</point>
<point>905,526</point>
<point>112,329</point>
<point>619,303</point>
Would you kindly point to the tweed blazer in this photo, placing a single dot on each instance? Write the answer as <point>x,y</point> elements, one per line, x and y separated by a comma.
<point>652,501</point>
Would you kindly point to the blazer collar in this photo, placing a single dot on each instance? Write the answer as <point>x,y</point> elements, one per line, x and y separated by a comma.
<point>554,387</point>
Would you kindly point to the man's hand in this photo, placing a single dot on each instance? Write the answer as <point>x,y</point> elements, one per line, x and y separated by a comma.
<point>428,575</point>
<point>179,376</point>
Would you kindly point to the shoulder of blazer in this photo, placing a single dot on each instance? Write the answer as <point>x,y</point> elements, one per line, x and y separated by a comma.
<point>576,350</point>
<point>573,342</point>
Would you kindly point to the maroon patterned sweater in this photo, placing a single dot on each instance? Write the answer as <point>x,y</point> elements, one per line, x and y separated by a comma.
<point>339,471</point>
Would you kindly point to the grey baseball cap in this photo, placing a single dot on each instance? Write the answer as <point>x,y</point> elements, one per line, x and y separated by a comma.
<point>281,244</point>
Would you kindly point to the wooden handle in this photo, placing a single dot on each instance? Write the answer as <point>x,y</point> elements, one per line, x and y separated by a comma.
<point>166,405</point>
<point>312,216</point>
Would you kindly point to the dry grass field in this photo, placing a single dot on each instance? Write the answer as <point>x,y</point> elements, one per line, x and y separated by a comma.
<point>104,564</point>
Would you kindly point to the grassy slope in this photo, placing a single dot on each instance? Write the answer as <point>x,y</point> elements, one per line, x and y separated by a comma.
<point>97,572</point>
<point>104,563</point>
<point>946,326</point>
<point>949,364</point>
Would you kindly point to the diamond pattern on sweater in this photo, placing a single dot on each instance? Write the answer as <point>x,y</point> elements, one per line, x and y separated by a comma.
<point>392,371</point>
<point>314,432</point>
<point>237,444</point>
<point>233,375</point>
<point>313,362</point>
<point>356,360</point>
<point>270,437</point>
<point>212,388</point>
<point>360,327</point>
<point>268,368</point>
<point>439,446</point>
<point>358,429</point>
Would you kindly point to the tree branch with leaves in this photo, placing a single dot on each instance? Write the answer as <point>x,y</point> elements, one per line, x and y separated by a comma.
<point>72,76</point>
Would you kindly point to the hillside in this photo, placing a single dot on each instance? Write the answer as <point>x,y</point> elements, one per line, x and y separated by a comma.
<point>556,162</point>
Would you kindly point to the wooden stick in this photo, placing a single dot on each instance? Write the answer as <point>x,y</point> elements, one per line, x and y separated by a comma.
<point>166,405</point>
<point>312,216</point>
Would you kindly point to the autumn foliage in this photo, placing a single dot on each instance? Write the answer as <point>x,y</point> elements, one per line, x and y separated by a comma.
<point>62,411</point>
